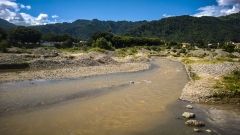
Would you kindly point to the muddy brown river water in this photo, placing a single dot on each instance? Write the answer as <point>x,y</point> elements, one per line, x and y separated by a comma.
<point>108,105</point>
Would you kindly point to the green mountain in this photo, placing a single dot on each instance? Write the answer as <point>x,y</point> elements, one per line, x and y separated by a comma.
<point>180,28</point>
<point>83,29</point>
<point>6,25</point>
<point>191,29</point>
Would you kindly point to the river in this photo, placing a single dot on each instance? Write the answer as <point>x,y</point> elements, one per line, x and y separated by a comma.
<point>139,103</point>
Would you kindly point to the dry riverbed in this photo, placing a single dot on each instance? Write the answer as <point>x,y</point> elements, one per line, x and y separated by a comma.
<point>52,64</point>
<point>73,72</point>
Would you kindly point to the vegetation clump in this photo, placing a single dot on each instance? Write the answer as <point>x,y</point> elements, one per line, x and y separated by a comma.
<point>228,86</point>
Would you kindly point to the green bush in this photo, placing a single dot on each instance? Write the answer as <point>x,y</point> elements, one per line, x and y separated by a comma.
<point>183,50</point>
<point>122,52</point>
<point>155,48</point>
<point>229,85</point>
<point>132,50</point>
<point>3,46</point>
<point>147,48</point>
<point>229,47</point>
<point>103,44</point>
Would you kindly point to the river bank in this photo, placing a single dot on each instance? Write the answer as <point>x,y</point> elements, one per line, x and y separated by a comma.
<point>52,65</point>
<point>204,76</point>
<point>42,63</point>
<point>72,72</point>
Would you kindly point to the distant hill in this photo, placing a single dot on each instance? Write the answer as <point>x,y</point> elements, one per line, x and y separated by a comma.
<point>5,24</point>
<point>180,28</point>
<point>190,29</point>
<point>83,29</point>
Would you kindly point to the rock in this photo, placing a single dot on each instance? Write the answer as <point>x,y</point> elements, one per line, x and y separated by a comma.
<point>208,130</point>
<point>197,130</point>
<point>188,115</point>
<point>189,107</point>
<point>131,82</point>
<point>194,123</point>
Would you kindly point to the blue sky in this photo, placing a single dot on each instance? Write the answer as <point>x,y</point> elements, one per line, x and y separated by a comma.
<point>36,12</point>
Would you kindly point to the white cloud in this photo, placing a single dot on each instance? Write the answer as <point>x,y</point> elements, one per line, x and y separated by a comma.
<point>10,11</point>
<point>42,17</point>
<point>166,16</point>
<point>27,7</point>
<point>227,2</point>
<point>224,7</point>
<point>54,16</point>
<point>8,4</point>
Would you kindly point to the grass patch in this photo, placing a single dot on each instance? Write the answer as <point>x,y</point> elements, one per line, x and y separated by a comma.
<point>229,85</point>
<point>188,61</point>
<point>213,61</point>
<point>71,50</point>
<point>97,49</point>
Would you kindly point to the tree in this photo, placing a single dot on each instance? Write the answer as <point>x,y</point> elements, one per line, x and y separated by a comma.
<point>67,43</point>
<point>103,44</point>
<point>3,45</point>
<point>3,34</point>
<point>200,43</point>
<point>25,34</point>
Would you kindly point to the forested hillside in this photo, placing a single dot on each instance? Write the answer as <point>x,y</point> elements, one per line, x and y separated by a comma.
<point>191,29</point>
<point>180,28</point>
<point>5,24</point>
<point>83,29</point>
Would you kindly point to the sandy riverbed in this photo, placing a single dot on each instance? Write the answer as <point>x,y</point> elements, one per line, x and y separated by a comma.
<point>73,72</point>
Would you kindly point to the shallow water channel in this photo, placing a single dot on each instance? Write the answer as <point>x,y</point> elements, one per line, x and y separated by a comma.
<point>107,104</point>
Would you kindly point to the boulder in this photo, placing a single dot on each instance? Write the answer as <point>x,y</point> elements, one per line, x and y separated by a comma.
<point>189,107</point>
<point>188,115</point>
<point>194,123</point>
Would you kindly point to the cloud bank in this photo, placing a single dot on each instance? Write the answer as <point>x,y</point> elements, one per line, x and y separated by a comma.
<point>10,11</point>
<point>224,7</point>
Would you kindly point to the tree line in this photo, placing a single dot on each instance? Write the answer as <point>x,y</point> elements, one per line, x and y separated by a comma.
<point>99,39</point>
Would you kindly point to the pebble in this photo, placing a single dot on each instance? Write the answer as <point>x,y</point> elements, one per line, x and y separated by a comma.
<point>197,130</point>
<point>208,130</point>
<point>132,82</point>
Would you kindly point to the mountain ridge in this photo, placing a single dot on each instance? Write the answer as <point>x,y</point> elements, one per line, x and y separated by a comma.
<point>177,28</point>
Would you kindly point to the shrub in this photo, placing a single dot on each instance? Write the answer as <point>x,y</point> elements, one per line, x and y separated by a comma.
<point>3,46</point>
<point>229,85</point>
<point>122,52</point>
<point>132,50</point>
<point>155,48</point>
<point>229,48</point>
<point>183,50</point>
<point>174,50</point>
<point>103,44</point>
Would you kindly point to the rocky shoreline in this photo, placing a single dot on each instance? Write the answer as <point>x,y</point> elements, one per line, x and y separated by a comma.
<point>201,90</point>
